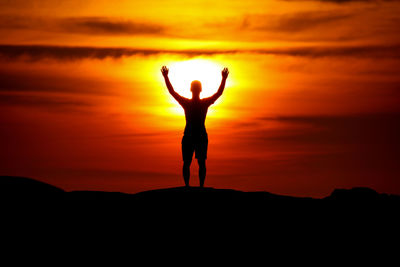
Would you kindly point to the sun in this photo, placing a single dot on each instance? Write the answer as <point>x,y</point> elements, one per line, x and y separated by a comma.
<point>182,73</point>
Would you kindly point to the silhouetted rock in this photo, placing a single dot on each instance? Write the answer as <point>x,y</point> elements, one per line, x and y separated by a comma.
<point>358,194</point>
<point>22,187</point>
<point>361,199</point>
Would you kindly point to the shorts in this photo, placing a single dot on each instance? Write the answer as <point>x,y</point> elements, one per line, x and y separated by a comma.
<point>194,144</point>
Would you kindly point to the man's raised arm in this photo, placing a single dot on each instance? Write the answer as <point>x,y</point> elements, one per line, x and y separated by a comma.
<point>221,88</point>
<point>164,71</point>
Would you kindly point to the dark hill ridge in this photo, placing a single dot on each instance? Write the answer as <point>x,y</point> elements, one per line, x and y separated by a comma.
<point>22,188</point>
<point>177,210</point>
<point>176,218</point>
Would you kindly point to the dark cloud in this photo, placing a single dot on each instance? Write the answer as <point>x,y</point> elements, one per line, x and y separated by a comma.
<point>70,53</point>
<point>109,173</point>
<point>367,51</point>
<point>83,25</point>
<point>322,150</point>
<point>26,80</point>
<point>348,1</point>
<point>98,25</point>
<point>344,1</point>
<point>365,129</point>
<point>308,20</point>
<point>38,52</point>
<point>48,102</point>
<point>142,135</point>
<point>353,146</point>
<point>293,22</point>
<point>107,179</point>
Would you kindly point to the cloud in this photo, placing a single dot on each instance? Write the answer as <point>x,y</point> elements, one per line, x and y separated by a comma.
<point>293,22</point>
<point>71,53</point>
<point>367,51</point>
<point>351,146</point>
<point>65,53</point>
<point>342,1</point>
<point>100,25</point>
<point>309,150</point>
<point>26,80</point>
<point>82,25</point>
<point>142,135</point>
<point>368,130</point>
<point>108,179</point>
<point>53,103</point>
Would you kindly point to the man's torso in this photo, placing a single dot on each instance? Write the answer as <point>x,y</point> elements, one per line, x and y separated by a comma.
<point>195,114</point>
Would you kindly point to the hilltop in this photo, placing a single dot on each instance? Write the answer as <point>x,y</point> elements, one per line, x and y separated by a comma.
<point>192,214</point>
<point>26,190</point>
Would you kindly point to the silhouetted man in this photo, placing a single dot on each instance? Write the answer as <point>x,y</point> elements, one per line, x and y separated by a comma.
<point>195,139</point>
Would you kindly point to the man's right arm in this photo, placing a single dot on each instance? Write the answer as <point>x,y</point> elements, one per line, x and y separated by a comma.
<point>179,98</point>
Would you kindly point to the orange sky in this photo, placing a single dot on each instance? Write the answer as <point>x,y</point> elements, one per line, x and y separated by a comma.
<point>311,104</point>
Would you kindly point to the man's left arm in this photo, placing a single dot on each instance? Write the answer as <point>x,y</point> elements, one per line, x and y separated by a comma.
<point>214,97</point>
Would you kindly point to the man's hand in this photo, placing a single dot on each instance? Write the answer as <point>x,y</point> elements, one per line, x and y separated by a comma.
<point>164,71</point>
<point>225,73</point>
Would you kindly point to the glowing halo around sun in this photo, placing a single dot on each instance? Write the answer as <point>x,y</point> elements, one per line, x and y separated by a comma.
<point>182,73</point>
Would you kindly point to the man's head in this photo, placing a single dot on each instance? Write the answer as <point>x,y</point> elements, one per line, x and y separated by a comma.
<point>195,87</point>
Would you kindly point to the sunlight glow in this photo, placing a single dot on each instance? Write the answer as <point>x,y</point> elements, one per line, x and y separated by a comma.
<point>182,73</point>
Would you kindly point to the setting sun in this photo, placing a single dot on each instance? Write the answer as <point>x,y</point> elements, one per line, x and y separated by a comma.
<point>182,73</point>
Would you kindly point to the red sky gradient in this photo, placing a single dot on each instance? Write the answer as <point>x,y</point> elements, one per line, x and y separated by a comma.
<point>312,101</point>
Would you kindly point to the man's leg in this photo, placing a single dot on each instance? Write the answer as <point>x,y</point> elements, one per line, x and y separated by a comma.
<point>187,155</point>
<point>202,171</point>
<point>186,171</point>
